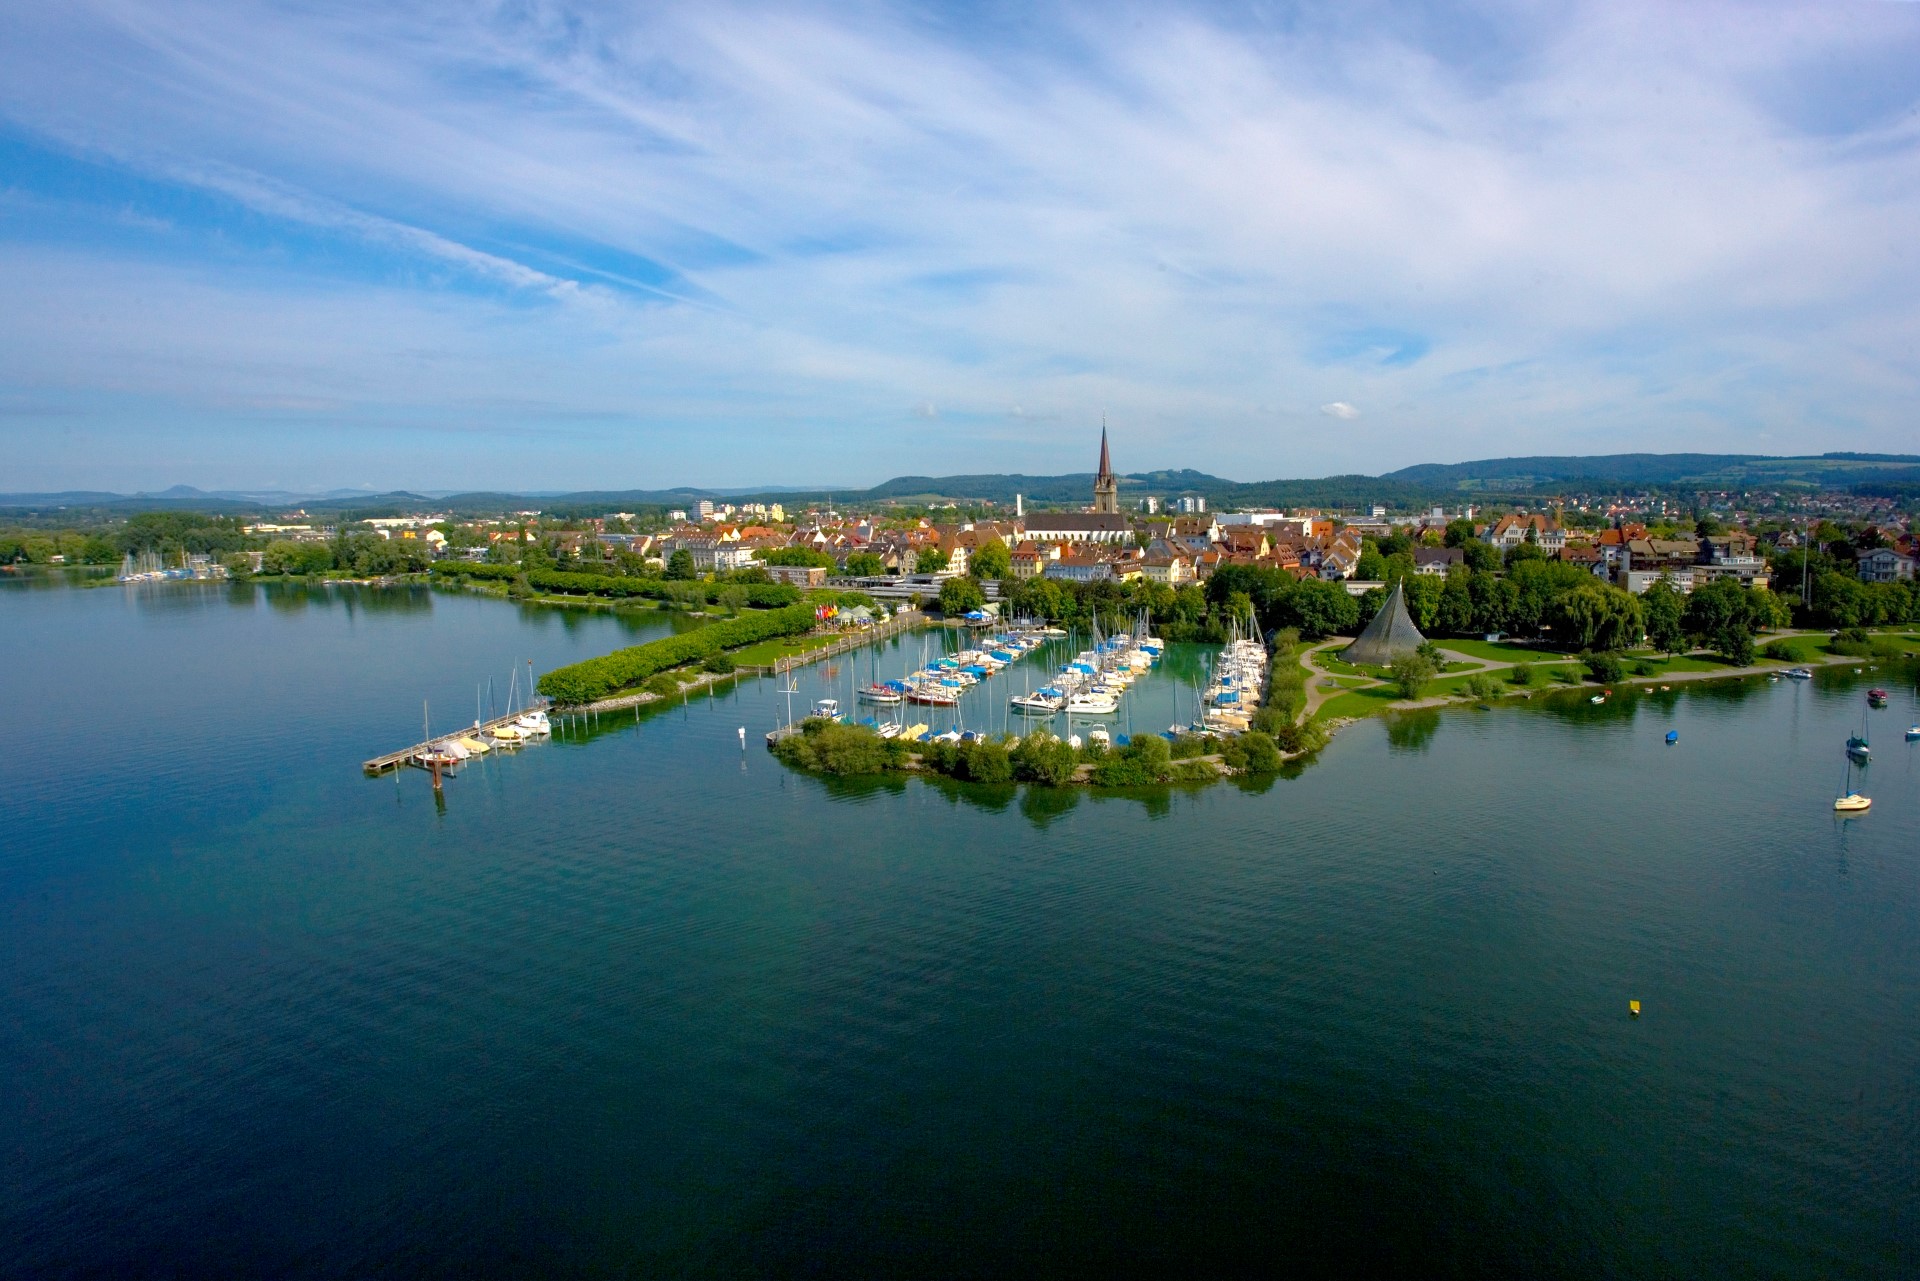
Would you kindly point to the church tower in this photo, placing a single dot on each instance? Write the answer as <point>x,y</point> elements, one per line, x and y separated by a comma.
<point>1106,486</point>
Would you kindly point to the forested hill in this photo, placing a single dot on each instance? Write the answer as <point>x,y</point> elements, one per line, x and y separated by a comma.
<point>1665,471</point>
<point>1541,476</point>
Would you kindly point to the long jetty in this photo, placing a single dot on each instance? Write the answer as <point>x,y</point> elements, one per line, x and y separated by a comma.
<point>408,755</point>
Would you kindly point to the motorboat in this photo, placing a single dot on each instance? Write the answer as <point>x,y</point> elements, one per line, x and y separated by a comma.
<point>827,709</point>
<point>534,722</point>
<point>1046,701</point>
<point>509,734</point>
<point>1858,749</point>
<point>475,746</point>
<point>1913,733</point>
<point>1877,698</point>
<point>1799,674</point>
<point>1098,735</point>
<point>1093,703</point>
<point>1852,803</point>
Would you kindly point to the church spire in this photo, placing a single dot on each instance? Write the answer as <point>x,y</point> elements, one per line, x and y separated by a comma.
<point>1106,486</point>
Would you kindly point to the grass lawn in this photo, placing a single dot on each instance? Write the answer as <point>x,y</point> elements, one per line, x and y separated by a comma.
<point>1362,702</point>
<point>766,653</point>
<point>1676,663</point>
<point>1501,651</point>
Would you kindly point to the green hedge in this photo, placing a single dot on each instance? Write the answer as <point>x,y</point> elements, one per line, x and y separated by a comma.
<point>758,595</point>
<point>598,677</point>
<point>473,569</point>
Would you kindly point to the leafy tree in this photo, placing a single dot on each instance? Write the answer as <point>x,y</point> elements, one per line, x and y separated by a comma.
<point>1455,612</point>
<point>1528,550</point>
<point>1318,609</point>
<point>680,567</point>
<point>1521,673</point>
<point>806,556</point>
<point>287,557</point>
<point>1412,673</point>
<point>1460,533</point>
<point>960,595</point>
<point>931,560</point>
<point>1594,616</point>
<point>1372,566</point>
<point>991,560</point>
<point>1482,557</point>
<point>1664,610</point>
<point>865,565</point>
<point>1723,615</point>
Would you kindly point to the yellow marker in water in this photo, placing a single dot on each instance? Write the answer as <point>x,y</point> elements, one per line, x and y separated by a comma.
<point>1633,1008</point>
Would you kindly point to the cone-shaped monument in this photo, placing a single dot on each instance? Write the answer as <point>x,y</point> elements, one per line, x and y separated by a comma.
<point>1388,636</point>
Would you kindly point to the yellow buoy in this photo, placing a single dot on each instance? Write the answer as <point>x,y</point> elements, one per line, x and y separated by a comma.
<point>1633,1008</point>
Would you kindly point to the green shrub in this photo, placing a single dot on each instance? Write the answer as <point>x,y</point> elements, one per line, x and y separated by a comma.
<point>1042,758</point>
<point>1252,752</point>
<point>1789,651</point>
<point>985,761</point>
<point>1411,673</point>
<point>1605,668</point>
<point>1521,673</point>
<point>1644,668</point>
<point>719,664</point>
<point>1145,761</point>
<point>1188,746</point>
<point>1307,736</point>
<point>828,747</point>
<point>662,684</point>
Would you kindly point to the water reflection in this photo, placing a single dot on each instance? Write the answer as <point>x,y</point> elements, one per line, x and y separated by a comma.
<point>1040,806</point>
<point>1413,731</point>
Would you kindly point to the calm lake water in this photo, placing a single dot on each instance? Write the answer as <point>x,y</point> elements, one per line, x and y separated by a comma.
<point>639,1002</point>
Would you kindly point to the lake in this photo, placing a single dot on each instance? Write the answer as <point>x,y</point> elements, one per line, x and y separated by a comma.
<point>637,1001</point>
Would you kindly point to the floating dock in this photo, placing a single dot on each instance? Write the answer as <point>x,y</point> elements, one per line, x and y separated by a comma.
<point>406,755</point>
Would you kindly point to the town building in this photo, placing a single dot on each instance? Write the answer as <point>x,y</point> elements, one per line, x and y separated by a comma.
<point>1885,565</point>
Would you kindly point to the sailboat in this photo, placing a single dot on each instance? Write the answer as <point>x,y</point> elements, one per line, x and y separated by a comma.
<point>1857,747</point>
<point>1851,802</point>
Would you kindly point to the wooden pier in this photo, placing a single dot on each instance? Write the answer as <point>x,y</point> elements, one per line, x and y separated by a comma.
<point>407,755</point>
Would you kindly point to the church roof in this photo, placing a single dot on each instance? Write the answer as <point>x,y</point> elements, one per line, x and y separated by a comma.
<point>1076,520</point>
<point>1106,466</point>
<point>1388,636</point>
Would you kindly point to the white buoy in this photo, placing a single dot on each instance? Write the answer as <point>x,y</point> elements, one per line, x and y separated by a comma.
<point>743,738</point>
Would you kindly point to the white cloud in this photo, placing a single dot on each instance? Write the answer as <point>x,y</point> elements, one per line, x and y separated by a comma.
<point>1340,409</point>
<point>1617,230</point>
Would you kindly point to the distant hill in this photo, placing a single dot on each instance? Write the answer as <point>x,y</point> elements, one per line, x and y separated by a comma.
<point>1544,475</point>
<point>1701,471</point>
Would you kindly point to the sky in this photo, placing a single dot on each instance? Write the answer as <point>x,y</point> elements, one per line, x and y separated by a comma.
<point>532,245</point>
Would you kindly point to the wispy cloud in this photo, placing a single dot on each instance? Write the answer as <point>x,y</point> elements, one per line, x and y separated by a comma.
<point>1606,226</point>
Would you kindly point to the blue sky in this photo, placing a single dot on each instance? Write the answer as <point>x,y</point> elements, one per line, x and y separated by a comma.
<point>546,245</point>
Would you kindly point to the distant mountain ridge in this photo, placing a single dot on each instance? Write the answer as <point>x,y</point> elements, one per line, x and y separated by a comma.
<point>1422,483</point>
